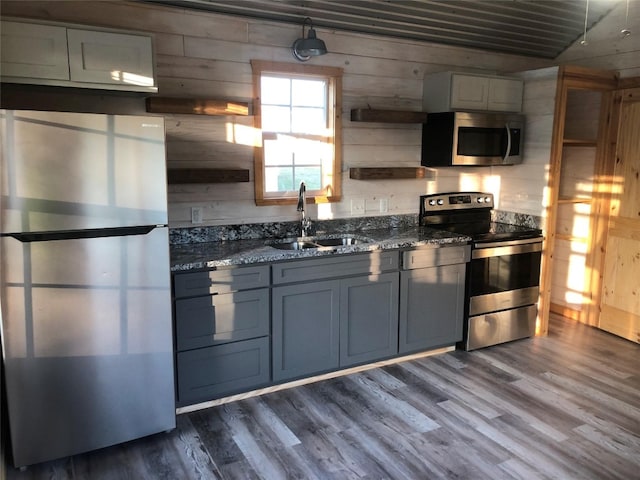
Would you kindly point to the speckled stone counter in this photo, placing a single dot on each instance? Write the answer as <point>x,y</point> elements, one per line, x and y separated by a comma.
<point>193,256</point>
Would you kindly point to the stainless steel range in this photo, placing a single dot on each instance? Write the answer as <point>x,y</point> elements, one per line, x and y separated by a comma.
<point>504,273</point>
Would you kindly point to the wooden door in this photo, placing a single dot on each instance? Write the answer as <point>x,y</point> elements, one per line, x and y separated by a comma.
<point>620,295</point>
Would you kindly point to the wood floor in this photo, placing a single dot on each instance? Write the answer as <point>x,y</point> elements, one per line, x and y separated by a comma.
<point>566,406</point>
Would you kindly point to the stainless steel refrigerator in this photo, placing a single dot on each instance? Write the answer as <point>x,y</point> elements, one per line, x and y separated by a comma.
<point>84,281</point>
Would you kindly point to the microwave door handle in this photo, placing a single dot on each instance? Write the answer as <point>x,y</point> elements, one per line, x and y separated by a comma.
<point>508,152</point>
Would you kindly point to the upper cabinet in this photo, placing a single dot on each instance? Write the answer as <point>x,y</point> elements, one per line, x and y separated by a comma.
<point>34,51</point>
<point>451,91</point>
<point>77,56</point>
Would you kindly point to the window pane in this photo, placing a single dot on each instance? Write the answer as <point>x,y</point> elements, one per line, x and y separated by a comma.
<point>275,91</point>
<point>308,93</point>
<point>308,152</point>
<point>279,179</point>
<point>276,119</point>
<point>278,153</point>
<point>309,120</point>
<point>311,176</point>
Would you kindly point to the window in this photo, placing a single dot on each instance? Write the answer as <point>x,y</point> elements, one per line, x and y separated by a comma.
<point>297,109</point>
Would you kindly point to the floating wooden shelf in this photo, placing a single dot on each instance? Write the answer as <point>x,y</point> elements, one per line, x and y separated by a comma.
<point>196,106</point>
<point>563,200</point>
<point>206,175</point>
<point>384,173</point>
<point>387,116</point>
<point>577,142</point>
<point>571,238</point>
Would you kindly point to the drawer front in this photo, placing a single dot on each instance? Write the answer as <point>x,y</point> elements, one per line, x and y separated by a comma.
<point>332,267</point>
<point>215,319</point>
<point>214,372</point>
<point>434,257</point>
<point>220,281</point>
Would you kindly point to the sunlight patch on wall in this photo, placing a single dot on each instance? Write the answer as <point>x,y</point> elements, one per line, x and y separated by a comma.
<point>243,135</point>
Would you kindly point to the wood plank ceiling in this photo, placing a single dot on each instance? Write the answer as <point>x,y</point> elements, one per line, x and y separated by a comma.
<point>538,28</point>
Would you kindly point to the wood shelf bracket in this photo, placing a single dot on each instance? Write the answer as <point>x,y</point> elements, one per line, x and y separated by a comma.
<point>387,116</point>
<point>388,173</point>
<point>196,106</point>
<point>206,175</point>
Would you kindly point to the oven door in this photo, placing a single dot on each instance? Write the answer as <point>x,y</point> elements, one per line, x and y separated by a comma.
<point>504,275</point>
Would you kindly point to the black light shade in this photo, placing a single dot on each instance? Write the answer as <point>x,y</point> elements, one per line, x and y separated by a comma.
<point>305,48</point>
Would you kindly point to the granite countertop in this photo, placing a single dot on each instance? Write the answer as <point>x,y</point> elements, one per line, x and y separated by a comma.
<point>194,256</point>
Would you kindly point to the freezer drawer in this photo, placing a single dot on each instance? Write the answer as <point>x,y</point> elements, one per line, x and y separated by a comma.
<point>86,325</point>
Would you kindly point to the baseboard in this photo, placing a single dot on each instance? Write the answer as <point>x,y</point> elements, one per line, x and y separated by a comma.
<point>565,311</point>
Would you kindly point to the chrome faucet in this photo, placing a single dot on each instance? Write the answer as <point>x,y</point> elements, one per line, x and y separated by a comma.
<point>305,223</point>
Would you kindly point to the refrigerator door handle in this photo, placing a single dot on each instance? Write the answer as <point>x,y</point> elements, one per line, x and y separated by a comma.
<point>79,234</point>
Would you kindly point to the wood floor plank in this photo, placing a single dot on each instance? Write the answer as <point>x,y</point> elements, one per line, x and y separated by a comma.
<point>565,406</point>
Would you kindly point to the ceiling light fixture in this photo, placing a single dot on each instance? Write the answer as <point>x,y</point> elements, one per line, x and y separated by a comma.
<point>305,48</point>
<point>625,31</point>
<point>586,17</point>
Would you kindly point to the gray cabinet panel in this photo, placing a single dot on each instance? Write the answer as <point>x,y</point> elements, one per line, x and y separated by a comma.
<point>220,281</point>
<point>215,319</point>
<point>432,257</point>
<point>431,307</point>
<point>221,370</point>
<point>368,318</point>
<point>305,331</point>
<point>332,267</point>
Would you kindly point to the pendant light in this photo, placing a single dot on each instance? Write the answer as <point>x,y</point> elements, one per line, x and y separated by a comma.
<point>625,32</point>
<point>586,17</point>
<point>305,48</point>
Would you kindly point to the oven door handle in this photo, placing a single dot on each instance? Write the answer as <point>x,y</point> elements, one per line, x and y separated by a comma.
<point>515,247</point>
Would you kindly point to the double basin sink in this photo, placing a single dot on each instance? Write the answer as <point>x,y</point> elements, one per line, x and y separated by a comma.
<point>318,243</point>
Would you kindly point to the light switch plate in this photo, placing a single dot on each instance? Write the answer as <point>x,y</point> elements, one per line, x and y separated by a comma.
<point>384,205</point>
<point>357,206</point>
<point>196,214</point>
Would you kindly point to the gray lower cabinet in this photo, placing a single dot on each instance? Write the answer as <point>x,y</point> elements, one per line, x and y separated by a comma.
<point>322,325</point>
<point>432,298</point>
<point>368,318</point>
<point>222,332</point>
<point>305,332</point>
<point>208,373</point>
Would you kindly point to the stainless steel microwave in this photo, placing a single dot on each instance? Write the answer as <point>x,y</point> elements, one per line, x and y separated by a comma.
<point>472,138</point>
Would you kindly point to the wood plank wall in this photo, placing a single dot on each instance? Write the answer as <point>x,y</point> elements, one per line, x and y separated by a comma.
<point>207,56</point>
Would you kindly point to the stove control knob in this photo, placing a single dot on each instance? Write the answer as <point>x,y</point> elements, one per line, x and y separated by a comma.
<point>487,199</point>
<point>440,201</point>
<point>432,202</point>
<point>479,199</point>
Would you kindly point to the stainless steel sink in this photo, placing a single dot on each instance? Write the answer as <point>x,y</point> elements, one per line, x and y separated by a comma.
<point>338,242</point>
<point>327,243</point>
<point>293,245</point>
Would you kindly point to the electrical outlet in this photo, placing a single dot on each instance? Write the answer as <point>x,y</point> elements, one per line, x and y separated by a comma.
<point>384,205</point>
<point>357,206</point>
<point>196,214</point>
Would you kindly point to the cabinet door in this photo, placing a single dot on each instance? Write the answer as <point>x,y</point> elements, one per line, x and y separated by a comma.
<point>431,307</point>
<point>505,95</point>
<point>34,51</point>
<point>215,319</point>
<point>305,331</point>
<point>213,372</point>
<point>110,58</point>
<point>368,318</point>
<point>469,92</point>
